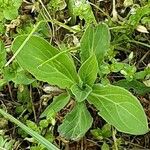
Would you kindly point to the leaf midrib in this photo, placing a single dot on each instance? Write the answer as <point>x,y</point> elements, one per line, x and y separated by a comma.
<point>117,104</point>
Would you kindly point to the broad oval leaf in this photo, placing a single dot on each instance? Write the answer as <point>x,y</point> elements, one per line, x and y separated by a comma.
<point>119,108</point>
<point>76,123</point>
<point>58,103</point>
<point>88,70</point>
<point>60,71</point>
<point>95,39</point>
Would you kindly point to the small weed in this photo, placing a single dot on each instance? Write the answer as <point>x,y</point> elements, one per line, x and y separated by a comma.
<point>70,67</point>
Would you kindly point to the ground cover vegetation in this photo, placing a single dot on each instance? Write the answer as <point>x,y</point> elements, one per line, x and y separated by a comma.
<point>74,74</point>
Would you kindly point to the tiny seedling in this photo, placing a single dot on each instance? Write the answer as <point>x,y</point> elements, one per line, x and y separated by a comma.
<point>114,104</point>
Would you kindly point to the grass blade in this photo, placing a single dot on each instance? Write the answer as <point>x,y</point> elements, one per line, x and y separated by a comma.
<point>34,134</point>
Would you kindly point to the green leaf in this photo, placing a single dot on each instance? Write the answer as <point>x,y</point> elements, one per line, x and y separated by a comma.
<point>57,5</point>
<point>8,73</point>
<point>2,25</point>
<point>23,95</point>
<point>34,134</point>
<point>1,16</point>
<point>128,3</point>
<point>22,77</point>
<point>59,71</point>
<point>139,13</point>
<point>32,125</point>
<point>76,123</point>
<point>88,70</point>
<point>10,13</point>
<point>105,146</point>
<point>106,131</point>
<point>97,40</point>
<point>6,143</point>
<point>137,86</point>
<point>17,3</point>
<point>81,93</point>
<point>119,108</point>
<point>58,103</point>
<point>2,55</point>
<point>83,10</point>
<point>70,6</point>
<point>103,133</point>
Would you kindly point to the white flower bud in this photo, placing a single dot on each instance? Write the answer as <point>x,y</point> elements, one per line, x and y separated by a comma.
<point>142,29</point>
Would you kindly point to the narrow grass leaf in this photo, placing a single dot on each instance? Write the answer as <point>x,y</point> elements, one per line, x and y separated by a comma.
<point>34,134</point>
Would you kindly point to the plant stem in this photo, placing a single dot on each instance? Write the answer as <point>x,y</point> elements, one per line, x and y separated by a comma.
<point>114,138</point>
<point>99,9</point>
<point>137,42</point>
